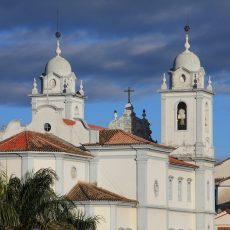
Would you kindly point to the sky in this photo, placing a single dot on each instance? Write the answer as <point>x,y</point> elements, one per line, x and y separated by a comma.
<point>112,45</point>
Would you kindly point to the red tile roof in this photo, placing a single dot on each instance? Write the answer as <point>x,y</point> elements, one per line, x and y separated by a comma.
<point>83,191</point>
<point>69,122</point>
<point>120,137</point>
<point>175,161</point>
<point>39,142</point>
<point>96,127</point>
<point>91,126</point>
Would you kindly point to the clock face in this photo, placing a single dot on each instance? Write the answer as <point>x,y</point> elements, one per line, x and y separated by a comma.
<point>182,78</point>
<point>52,83</point>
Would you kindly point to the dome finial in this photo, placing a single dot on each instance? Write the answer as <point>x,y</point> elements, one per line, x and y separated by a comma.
<point>81,91</point>
<point>164,85</point>
<point>186,45</point>
<point>58,50</point>
<point>209,87</point>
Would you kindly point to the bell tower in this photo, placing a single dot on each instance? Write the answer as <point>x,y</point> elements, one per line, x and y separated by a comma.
<point>58,88</point>
<point>186,123</point>
<point>186,106</point>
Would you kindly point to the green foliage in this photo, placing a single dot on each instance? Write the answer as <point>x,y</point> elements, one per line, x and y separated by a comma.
<point>31,203</point>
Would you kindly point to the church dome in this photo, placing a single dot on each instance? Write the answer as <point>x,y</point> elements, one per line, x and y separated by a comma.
<point>188,60</point>
<point>58,65</point>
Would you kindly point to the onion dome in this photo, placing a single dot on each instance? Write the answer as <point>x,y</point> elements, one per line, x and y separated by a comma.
<point>187,59</point>
<point>58,64</point>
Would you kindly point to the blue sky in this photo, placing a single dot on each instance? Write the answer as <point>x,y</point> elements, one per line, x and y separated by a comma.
<point>112,45</point>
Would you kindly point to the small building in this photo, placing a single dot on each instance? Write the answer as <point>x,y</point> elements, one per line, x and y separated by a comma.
<point>222,220</point>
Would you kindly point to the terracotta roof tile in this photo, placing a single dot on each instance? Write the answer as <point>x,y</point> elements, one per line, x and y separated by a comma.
<point>83,191</point>
<point>120,137</point>
<point>69,122</point>
<point>91,126</point>
<point>39,142</point>
<point>96,127</point>
<point>175,161</point>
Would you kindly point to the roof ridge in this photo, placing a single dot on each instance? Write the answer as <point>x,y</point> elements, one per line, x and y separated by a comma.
<point>107,192</point>
<point>86,191</point>
<point>82,190</point>
<point>136,137</point>
<point>52,144</point>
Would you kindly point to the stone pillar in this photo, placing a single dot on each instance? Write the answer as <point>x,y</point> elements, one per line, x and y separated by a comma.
<point>163,120</point>
<point>93,165</point>
<point>141,190</point>
<point>27,164</point>
<point>59,184</point>
<point>113,217</point>
<point>199,125</point>
<point>68,108</point>
<point>200,199</point>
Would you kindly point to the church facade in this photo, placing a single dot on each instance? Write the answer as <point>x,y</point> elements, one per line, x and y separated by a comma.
<point>119,172</point>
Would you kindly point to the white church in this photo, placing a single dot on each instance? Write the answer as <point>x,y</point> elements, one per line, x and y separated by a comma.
<point>119,172</point>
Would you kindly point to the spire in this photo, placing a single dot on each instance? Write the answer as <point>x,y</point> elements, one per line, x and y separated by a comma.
<point>35,90</point>
<point>164,85</point>
<point>58,50</point>
<point>144,114</point>
<point>81,91</point>
<point>115,115</point>
<point>209,87</point>
<point>186,45</point>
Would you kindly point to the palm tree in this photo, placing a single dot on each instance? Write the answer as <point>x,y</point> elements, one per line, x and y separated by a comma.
<point>31,203</point>
<point>8,214</point>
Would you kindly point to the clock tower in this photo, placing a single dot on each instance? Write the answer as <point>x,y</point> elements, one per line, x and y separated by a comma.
<point>58,89</point>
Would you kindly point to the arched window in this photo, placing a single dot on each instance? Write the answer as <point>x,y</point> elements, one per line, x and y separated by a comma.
<point>180,188</point>
<point>208,190</point>
<point>170,187</point>
<point>189,181</point>
<point>156,188</point>
<point>181,116</point>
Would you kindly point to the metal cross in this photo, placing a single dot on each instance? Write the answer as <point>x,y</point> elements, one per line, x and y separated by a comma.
<point>129,91</point>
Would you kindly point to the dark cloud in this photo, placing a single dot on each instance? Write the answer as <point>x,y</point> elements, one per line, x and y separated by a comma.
<point>112,43</point>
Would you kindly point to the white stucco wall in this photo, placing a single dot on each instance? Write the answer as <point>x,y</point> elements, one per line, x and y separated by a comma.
<point>75,134</point>
<point>11,166</point>
<point>127,218</point>
<point>118,175</point>
<point>81,173</point>
<point>104,212</point>
<point>180,220</point>
<point>39,163</point>
<point>157,219</point>
<point>177,172</point>
<point>157,173</point>
<point>210,192</point>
